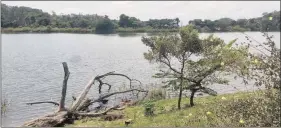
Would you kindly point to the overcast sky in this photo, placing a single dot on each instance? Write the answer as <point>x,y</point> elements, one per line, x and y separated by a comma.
<point>144,10</point>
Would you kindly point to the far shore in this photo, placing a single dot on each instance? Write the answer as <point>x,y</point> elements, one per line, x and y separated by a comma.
<point>20,30</point>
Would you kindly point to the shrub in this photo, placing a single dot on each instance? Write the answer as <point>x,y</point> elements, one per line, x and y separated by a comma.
<point>149,108</point>
<point>259,110</point>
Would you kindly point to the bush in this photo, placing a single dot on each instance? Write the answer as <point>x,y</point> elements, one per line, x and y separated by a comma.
<point>149,108</point>
<point>259,110</point>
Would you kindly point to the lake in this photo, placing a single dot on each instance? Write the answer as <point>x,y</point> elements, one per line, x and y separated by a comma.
<point>32,69</point>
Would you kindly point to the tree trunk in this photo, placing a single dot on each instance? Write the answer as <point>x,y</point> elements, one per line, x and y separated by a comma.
<point>64,87</point>
<point>180,95</point>
<point>181,81</point>
<point>192,97</point>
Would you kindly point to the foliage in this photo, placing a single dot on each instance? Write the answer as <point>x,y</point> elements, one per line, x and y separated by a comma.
<point>228,25</point>
<point>14,17</point>
<point>213,54</point>
<point>210,112</point>
<point>263,63</point>
<point>46,30</point>
<point>144,29</point>
<point>149,108</point>
<point>259,110</point>
<point>105,26</point>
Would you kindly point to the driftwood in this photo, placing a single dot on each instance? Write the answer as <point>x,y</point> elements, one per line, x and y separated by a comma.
<point>79,109</point>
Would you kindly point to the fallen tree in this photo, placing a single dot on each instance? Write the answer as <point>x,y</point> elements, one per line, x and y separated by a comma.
<point>79,109</point>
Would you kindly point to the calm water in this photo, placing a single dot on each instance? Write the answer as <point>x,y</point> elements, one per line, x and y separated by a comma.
<point>32,69</point>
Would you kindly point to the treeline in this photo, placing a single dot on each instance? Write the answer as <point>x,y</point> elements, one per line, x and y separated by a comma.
<point>268,22</point>
<point>25,19</point>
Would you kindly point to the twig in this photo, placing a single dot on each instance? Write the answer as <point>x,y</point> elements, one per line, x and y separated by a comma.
<point>49,102</point>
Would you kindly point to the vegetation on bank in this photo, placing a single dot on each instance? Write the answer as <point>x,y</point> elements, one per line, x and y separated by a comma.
<point>248,109</point>
<point>82,30</point>
<point>24,19</point>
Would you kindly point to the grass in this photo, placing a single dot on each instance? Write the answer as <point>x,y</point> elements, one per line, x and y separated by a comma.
<point>208,111</point>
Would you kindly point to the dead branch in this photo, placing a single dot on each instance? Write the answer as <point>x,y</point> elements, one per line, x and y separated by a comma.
<point>82,96</point>
<point>64,86</point>
<point>81,103</point>
<point>114,93</point>
<point>49,102</point>
<point>86,103</point>
<point>52,120</point>
<point>99,79</point>
<point>97,114</point>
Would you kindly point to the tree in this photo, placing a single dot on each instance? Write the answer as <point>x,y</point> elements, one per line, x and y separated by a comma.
<point>177,21</point>
<point>105,26</point>
<point>123,20</point>
<point>224,23</point>
<point>242,22</point>
<point>192,74</point>
<point>167,47</point>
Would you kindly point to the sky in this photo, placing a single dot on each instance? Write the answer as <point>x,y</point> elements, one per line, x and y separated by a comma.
<point>145,10</point>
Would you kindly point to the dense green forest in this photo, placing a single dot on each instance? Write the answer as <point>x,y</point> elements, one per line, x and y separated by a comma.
<point>268,22</point>
<point>25,19</point>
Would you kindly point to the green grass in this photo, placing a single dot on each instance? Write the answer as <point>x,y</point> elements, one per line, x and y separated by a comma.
<point>166,113</point>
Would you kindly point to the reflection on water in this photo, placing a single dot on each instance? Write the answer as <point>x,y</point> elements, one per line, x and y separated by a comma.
<point>32,69</point>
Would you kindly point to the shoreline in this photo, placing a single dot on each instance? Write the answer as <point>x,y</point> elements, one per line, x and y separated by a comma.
<point>45,30</point>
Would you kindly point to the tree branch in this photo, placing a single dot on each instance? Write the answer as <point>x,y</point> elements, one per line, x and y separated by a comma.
<point>114,93</point>
<point>49,102</point>
<point>208,72</point>
<point>82,96</point>
<point>97,114</point>
<point>98,78</point>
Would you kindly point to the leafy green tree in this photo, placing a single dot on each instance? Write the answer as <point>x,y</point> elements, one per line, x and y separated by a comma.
<point>177,21</point>
<point>123,20</point>
<point>242,22</point>
<point>105,26</point>
<point>192,74</point>
<point>224,23</point>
